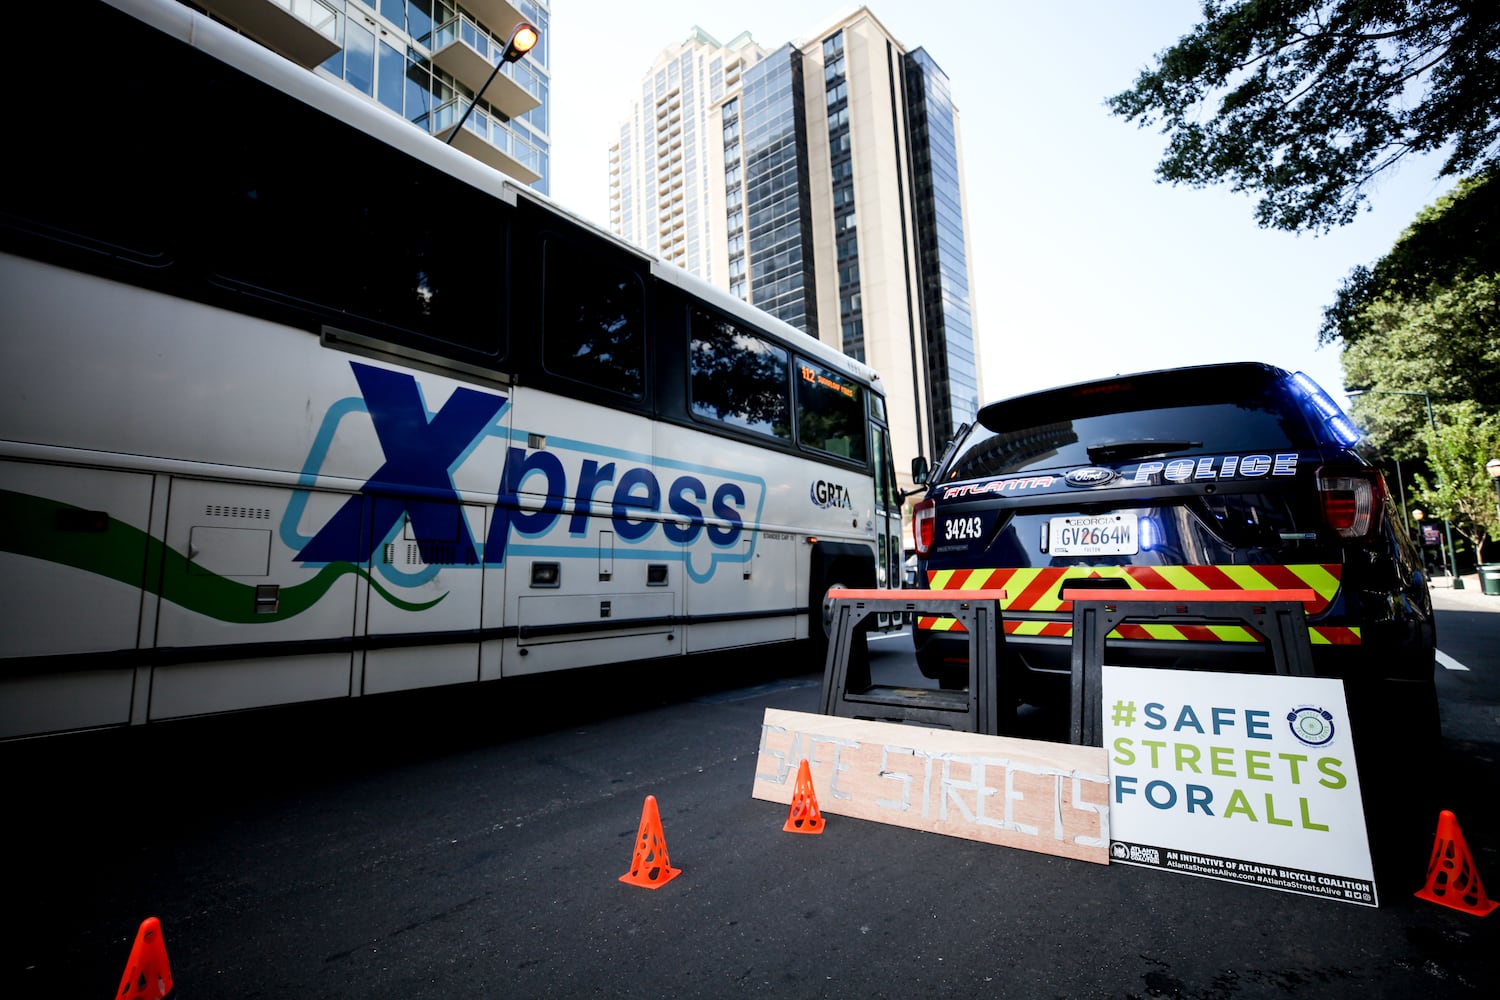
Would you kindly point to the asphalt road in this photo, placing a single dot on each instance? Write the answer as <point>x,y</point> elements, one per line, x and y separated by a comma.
<point>463,844</point>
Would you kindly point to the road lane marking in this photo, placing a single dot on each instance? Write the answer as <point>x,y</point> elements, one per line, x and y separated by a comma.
<point>1449,662</point>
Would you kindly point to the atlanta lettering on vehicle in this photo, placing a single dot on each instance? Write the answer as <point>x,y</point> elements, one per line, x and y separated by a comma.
<point>415,482</point>
<point>1182,470</point>
<point>998,486</point>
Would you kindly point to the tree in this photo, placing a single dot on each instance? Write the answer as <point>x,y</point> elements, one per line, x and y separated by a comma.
<point>1463,494</point>
<point>1308,103</point>
<point>1454,240</point>
<point>1425,317</point>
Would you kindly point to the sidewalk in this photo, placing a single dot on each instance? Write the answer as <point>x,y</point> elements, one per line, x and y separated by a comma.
<point>1471,598</point>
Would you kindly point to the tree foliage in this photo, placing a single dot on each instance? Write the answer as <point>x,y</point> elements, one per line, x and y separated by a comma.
<point>1461,492</point>
<point>1425,318</point>
<point>1307,104</point>
<point>1452,241</point>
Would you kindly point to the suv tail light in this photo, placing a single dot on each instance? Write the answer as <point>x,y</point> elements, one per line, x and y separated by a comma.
<point>923,518</point>
<point>1351,500</point>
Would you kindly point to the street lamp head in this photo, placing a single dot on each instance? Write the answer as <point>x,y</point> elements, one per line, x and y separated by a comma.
<point>1493,468</point>
<point>1416,514</point>
<point>522,40</point>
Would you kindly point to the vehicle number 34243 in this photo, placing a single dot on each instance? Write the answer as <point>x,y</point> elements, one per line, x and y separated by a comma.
<point>956,528</point>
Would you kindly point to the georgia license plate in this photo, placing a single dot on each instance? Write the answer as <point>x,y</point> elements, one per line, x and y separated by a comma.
<point>1094,535</point>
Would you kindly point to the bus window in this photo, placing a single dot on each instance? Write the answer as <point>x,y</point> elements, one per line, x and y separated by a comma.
<point>593,320</point>
<point>356,253</point>
<point>830,412</point>
<point>739,378</point>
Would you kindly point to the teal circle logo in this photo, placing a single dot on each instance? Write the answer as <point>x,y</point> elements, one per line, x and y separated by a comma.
<point>1311,725</point>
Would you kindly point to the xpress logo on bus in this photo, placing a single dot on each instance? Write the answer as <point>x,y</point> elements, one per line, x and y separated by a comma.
<point>544,497</point>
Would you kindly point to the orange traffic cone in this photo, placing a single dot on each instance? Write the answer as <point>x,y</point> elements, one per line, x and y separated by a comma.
<point>147,974</point>
<point>804,816</point>
<point>1452,879</point>
<point>649,866</point>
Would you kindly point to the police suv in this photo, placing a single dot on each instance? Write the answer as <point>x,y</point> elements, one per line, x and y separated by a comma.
<point>1219,477</point>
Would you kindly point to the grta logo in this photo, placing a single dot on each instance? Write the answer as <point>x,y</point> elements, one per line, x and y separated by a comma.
<point>825,494</point>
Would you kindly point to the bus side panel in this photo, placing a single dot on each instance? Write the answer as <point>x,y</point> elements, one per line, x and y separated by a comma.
<point>582,493</point>
<point>739,558</point>
<point>42,703</point>
<point>437,561</point>
<point>230,580</point>
<point>72,564</point>
<point>75,559</point>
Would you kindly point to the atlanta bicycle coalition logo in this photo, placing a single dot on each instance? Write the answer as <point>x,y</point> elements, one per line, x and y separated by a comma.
<point>1311,725</point>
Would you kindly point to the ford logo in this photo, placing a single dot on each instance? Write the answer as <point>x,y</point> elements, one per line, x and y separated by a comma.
<point>1092,476</point>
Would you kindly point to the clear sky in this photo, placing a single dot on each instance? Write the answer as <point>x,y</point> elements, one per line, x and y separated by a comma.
<point>1084,266</point>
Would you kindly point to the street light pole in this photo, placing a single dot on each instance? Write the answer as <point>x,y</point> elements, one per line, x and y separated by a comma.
<point>1417,515</point>
<point>1452,560</point>
<point>523,38</point>
<point>1493,468</point>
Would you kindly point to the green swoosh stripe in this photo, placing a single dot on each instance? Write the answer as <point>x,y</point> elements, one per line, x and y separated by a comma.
<point>122,552</point>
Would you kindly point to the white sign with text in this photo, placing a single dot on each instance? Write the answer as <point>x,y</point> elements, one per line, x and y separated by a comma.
<point>1240,777</point>
<point>1045,797</point>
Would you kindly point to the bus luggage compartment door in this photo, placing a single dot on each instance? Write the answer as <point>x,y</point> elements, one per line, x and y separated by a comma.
<point>248,625</point>
<point>580,630</point>
<point>431,566</point>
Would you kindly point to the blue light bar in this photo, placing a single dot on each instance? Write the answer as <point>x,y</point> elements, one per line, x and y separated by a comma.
<point>1337,422</point>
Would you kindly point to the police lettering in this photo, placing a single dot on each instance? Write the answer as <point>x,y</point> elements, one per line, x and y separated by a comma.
<point>1185,470</point>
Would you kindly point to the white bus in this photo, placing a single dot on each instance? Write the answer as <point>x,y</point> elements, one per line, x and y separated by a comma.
<point>299,403</point>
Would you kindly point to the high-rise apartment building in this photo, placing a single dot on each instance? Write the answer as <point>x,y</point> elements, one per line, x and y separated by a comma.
<point>424,60</point>
<point>666,170</point>
<point>830,174</point>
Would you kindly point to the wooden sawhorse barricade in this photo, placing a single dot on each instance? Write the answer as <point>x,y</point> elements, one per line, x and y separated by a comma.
<point>847,691</point>
<point>1277,616</point>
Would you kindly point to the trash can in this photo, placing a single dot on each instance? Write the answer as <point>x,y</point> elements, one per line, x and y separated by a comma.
<point>1489,578</point>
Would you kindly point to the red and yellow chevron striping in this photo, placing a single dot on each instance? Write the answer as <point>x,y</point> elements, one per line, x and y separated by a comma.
<point>1039,591</point>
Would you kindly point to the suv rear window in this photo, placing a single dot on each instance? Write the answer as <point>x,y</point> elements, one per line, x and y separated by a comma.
<point>1137,418</point>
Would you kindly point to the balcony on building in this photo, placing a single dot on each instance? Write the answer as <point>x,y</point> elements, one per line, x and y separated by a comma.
<point>304,31</point>
<point>485,138</point>
<point>465,51</point>
<point>500,16</point>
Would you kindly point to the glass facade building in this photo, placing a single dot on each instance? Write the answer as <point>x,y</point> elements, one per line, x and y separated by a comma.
<point>425,60</point>
<point>841,179</point>
<point>777,190</point>
<point>942,254</point>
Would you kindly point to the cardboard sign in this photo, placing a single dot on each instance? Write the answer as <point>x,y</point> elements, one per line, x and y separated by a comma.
<point>1239,777</point>
<point>1046,797</point>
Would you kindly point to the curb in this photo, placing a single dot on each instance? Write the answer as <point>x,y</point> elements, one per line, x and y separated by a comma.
<point>1471,597</point>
